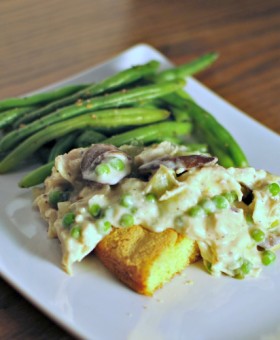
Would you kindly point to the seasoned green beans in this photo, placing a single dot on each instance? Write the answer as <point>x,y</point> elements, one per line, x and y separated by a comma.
<point>137,105</point>
<point>101,120</point>
<point>116,99</point>
<point>118,80</point>
<point>40,98</point>
<point>151,133</point>
<point>8,117</point>
<point>210,131</point>
<point>146,134</point>
<point>88,137</point>
<point>226,141</point>
<point>188,69</point>
<point>62,145</point>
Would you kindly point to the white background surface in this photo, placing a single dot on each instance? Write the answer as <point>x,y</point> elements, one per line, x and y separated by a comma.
<point>93,304</point>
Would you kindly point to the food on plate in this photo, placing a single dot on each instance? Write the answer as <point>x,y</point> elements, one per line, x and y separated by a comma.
<point>135,170</point>
<point>231,214</point>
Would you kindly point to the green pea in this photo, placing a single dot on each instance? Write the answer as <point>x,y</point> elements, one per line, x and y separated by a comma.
<point>76,232</point>
<point>274,189</point>
<point>57,196</point>
<point>134,210</point>
<point>208,206</point>
<point>127,220</point>
<point>106,226</point>
<point>274,224</point>
<point>117,164</point>
<point>151,198</point>
<point>258,235</point>
<point>246,267</point>
<point>94,210</point>
<point>102,169</point>
<point>68,219</point>
<point>231,196</point>
<point>196,211</point>
<point>243,270</point>
<point>220,201</point>
<point>268,257</point>
<point>127,201</point>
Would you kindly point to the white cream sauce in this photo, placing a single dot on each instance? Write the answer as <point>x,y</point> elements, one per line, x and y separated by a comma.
<point>223,236</point>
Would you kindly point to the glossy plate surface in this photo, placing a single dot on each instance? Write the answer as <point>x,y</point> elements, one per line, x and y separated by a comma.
<point>93,304</point>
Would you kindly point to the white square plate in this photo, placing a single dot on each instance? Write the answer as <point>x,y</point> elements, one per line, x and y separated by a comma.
<point>93,304</point>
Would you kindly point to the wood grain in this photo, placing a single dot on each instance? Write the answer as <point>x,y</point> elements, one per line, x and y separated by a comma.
<point>45,41</point>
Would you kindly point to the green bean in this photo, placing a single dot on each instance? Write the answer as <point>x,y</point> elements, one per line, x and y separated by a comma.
<point>36,176</point>
<point>226,141</point>
<point>209,126</point>
<point>89,137</point>
<point>197,147</point>
<point>187,69</point>
<point>62,145</point>
<point>9,116</point>
<point>116,81</point>
<point>171,139</point>
<point>40,98</point>
<point>215,149</point>
<point>179,140</point>
<point>150,133</point>
<point>180,114</point>
<point>224,159</point>
<point>103,119</point>
<point>2,155</point>
<point>116,99</point>
<point>42,154</point>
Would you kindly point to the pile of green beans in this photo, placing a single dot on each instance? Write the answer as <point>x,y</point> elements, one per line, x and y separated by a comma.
<point>139,105</point>
<point>207,128</point>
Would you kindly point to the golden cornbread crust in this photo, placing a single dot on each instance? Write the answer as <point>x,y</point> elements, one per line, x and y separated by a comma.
<point>145,260</point>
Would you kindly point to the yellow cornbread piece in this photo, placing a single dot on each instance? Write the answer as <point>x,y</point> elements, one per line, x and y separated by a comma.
<point>146,260</point>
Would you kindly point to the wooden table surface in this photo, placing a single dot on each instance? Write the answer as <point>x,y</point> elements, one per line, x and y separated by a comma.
<point>44,41</point>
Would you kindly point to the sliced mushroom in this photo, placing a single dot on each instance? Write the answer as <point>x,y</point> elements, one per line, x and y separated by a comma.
<point>270,242</point>
<point>180,163</point>
<point>105,164</point>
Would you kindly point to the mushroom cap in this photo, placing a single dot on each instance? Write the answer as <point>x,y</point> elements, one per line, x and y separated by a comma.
<point>178,163</point>
<point>99,153</point>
